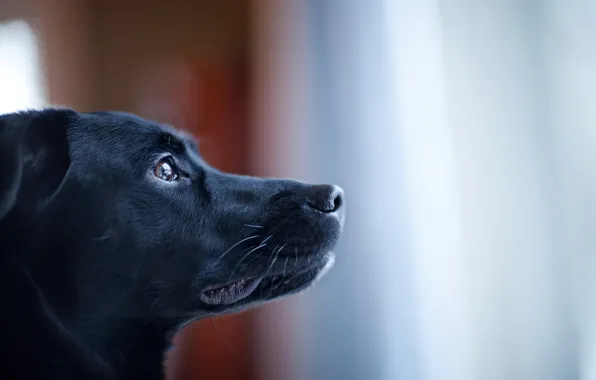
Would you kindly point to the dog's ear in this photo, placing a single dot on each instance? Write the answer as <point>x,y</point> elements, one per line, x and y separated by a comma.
<point>11,139</point>
<point>34,152</point>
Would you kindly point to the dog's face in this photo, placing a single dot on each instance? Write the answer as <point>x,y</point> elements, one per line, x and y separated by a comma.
<point>123,215</point>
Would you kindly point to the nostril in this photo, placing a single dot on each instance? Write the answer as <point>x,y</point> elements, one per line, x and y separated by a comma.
<point>338,201</point>
<point>326,198</point>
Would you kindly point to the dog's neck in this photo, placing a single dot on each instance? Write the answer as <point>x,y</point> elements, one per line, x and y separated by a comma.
<point>86,340</point>
<point>136,346</point>
<point>105,345</point>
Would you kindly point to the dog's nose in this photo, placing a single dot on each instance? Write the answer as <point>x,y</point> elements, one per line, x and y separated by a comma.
<point>325,198</point>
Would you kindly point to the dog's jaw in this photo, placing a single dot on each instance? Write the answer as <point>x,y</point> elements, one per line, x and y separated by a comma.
<point>330,263</point>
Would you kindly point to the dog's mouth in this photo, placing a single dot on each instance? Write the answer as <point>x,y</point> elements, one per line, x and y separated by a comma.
<point>268,286</point>
<point>230,293</point>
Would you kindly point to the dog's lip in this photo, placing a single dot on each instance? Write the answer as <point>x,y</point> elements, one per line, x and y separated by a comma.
<point>230,293</point>
<point>314,272</point>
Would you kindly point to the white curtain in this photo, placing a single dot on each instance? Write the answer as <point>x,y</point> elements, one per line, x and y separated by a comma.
<point>21,79</point>
<point>464,134</point>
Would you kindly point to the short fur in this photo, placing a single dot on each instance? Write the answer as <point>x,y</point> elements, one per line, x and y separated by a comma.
<point>102,261</point>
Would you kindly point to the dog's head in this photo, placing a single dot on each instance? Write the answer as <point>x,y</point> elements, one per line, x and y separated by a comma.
<point>111,212</point>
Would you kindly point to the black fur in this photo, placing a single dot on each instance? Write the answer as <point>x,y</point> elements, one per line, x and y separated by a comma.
<point>101,261</point>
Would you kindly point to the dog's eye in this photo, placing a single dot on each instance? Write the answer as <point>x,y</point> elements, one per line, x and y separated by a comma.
<point>165,171</point>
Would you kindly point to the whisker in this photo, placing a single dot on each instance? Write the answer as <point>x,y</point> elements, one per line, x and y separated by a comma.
<point>277,253</point>
<point>283,276</point>
<point>281,249</point>
<point>274,260</point>
<point>253,259</point>
<point>246,255</point>
<point>103,237</point>
<point>235,245</point>
<point>310,266</point>
<point>294,277</point>
<point>270,266</point>
<point>257,256</point>
<point>274,250</point>
<point>291,278</point>
<point>253,226</point>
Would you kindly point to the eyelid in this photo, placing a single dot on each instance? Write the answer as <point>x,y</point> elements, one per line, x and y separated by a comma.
<point>175,165</point>
<point>167,157</point>
<point>170,160</point>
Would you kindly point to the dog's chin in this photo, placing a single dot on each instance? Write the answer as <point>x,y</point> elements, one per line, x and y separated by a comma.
<point>258,288</point>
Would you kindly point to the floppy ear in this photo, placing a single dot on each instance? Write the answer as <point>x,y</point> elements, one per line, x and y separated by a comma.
<point>34,152</point>
<point>11,159</point>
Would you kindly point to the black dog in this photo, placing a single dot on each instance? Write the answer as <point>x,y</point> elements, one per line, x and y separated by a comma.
<point>114,233</point>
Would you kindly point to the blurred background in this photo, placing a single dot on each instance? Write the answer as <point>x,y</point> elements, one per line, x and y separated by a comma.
<point>464,135</point>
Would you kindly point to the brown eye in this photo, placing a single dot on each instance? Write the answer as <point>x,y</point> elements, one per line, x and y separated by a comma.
<point>164,170</point>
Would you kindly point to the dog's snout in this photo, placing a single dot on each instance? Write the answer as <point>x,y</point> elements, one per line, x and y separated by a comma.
<point>325,198</point>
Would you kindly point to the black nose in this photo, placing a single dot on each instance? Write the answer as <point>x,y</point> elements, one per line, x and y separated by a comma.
<point>325,198</point>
